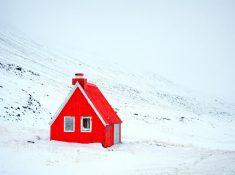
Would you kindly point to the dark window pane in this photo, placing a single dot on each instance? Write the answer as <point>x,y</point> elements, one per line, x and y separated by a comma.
<point>86,123</point>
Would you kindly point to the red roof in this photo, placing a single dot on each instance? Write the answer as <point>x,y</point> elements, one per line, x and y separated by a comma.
<point>101,104</point>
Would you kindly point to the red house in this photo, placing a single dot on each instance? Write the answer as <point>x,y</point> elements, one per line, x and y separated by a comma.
<point>86,116</point>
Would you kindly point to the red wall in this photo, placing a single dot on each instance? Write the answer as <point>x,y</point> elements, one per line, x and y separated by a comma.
<point>78,106</point>
<point>108,136</point>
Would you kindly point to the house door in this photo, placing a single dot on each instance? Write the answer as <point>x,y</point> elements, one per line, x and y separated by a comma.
<point>116,133</point>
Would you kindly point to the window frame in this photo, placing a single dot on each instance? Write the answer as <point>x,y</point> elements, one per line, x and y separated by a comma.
<point>84,129</point>
<point>73,117</point>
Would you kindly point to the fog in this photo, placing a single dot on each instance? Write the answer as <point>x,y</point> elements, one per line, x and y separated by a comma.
<point>189,42</point>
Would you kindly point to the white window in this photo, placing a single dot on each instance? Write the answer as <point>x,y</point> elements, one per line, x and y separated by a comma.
<point>86,124</point>
<point>69,124</point>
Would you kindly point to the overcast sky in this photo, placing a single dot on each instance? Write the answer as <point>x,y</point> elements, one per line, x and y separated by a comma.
<point>189,42</point>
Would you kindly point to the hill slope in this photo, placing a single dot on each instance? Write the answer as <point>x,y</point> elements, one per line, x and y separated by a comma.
<point>166,129</point>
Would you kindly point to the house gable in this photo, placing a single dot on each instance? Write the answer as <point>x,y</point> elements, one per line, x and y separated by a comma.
<point>77,107</point>
<point>77,86</point>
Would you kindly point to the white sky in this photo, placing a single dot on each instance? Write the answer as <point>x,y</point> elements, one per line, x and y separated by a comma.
<point>189,42</point>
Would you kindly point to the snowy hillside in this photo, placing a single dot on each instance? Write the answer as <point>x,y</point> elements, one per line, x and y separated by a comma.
<point>167,129</point>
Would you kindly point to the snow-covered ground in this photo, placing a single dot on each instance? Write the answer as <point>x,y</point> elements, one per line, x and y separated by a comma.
<point>167,129</point>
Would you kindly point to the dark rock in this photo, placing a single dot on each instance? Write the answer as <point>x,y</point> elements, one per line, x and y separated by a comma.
<point>19,68</point>
<point>182,119</point>
<point>166,118</point>
<point>30,141</point>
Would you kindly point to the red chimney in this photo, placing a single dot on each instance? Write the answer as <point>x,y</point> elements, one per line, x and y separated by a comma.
<point>79,77</point>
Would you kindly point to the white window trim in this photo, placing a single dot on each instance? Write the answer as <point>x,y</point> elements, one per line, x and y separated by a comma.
<point>73,124</point>
<point>83,129</point>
